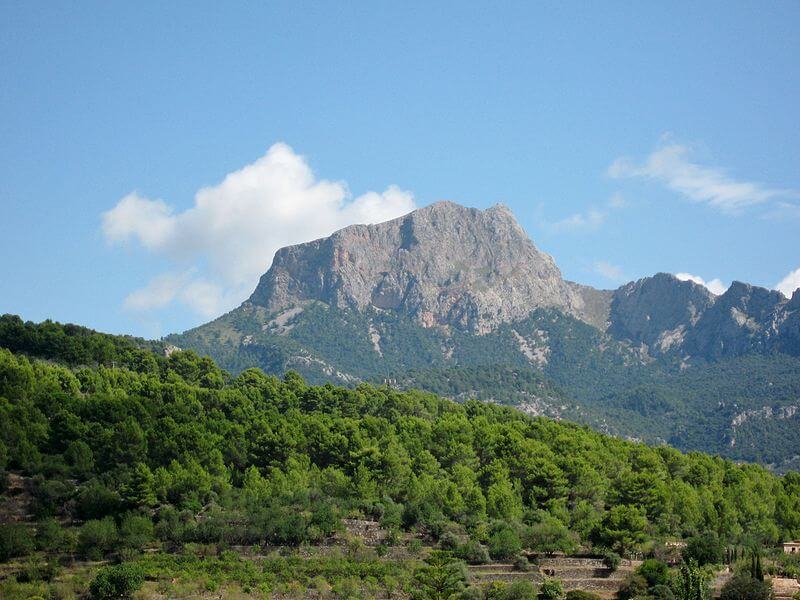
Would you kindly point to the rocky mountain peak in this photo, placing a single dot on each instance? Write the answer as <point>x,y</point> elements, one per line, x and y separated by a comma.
<point>669,315</point>
<point>443,265</point>
<point>656,310</point>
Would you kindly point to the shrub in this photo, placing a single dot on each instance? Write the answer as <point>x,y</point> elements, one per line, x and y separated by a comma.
<point>662,592</point>
<point>504,543</point>
<point>654,571</point>
<point>705,548</point>
<point>550,536</point>
<point>15,540</point>
<point>471,593</point>
<point>581,595</point>
<point>611,560</point>
<point>51,536</point>
<point>119,581</point>
<point>448,541</point>
<point>519,590</point>
<point>95,501</point>
<point>633,586</point>
<point>551,589</point>
<point>36,569</point>
<point>742,587</point>
<point>136,531</point>
<point>521,563</point>
<point>473,552</point>
<point>97,537</point>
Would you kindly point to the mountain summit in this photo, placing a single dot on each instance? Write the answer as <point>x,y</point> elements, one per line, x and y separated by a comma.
<point>460,302</point>
<point>442,265</point>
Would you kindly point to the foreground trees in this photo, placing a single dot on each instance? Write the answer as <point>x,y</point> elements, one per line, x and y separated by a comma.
<point>176,450</point>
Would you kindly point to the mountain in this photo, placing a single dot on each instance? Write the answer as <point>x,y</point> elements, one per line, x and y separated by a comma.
<point>460,301</point>
<point>669,316</point>
<point>443,265</point>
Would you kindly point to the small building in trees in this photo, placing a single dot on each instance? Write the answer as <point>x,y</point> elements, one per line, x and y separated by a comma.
<point>792,547</point>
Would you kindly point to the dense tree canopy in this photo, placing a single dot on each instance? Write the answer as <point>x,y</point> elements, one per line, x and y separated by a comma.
<point>276,460</point>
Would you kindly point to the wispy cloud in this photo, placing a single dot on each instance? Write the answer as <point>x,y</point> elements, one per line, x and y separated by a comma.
<point>672,165</point>
<point>789,284</point>
<point>715,286</point>
<point>589,220</point>
<point>220,246</point>
<point>609,271</point>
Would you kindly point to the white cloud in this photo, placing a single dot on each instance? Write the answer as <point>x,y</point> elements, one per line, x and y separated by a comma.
<point>159,292</point>
<point>591,219</point>
<point>789,284</point>
<point>715,286</point>
<point>670,164</point>
<point>588,220</point>
<point>227,239</point>
<point>609,271</point>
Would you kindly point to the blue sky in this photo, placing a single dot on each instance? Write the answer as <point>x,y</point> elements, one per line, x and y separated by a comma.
<point>628,138</point>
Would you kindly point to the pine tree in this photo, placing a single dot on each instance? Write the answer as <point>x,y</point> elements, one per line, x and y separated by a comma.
<point>139,492</point>
<point>442,578</point>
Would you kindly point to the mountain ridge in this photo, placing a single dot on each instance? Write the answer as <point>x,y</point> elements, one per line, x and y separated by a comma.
<point>449,297</point>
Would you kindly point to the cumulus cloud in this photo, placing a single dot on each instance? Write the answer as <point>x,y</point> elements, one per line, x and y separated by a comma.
<point>789,284</point>
<point>715,286</point>
<point>609,271</point>
<point>671,164</point>
<point>227,238</point>
<point>589,220</point>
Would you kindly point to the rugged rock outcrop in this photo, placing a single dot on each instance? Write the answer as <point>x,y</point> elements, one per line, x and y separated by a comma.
<point>657,311</point>
<point>672,316</point>
<point>454,269</point>
<point>441,265</point>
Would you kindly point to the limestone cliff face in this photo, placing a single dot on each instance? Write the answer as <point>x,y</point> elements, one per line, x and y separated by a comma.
<point>657,311</point>
<point>442,265</point>
<point>672,316</point>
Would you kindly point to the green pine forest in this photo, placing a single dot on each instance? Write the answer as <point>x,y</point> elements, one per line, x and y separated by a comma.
<point>122,449</point>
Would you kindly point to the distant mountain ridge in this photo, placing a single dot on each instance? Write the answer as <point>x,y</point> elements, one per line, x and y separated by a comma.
<point>449,298</point>
<point>681,317</point>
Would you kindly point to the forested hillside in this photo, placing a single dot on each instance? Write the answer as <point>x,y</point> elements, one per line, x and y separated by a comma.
<point>175,451</point>
<point>744,408</point>
<point>181,432</point>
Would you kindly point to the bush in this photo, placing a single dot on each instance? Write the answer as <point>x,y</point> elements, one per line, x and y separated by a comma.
<point>504,543</point>
<point>97,537</point>
<point>471,593</point>
<point>662,592</point>
<point>654,571</point>
<point>519,590</point>
<point>633,586</point>
<point>51,536</point>
<point>581,595</point>
<point>473,552</point>
<point>15,540</point>
<point>448,541</point>
<point>551,589</point>
<point>521,563</point>
<point>611,560</point>
<point>743,587</point>
<point>550,536</point>
<point>136,531</point>
<point>36,569</point>
<point>95,501</point>
<point>119,581</point>
<point>705,548</point>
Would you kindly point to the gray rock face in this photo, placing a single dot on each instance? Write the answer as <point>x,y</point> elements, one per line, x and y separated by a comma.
<point>672,316</point>
<point>656,311</point>
<point>442,265</point>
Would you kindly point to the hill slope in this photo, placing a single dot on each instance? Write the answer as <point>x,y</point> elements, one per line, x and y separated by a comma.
<point>449,294</point>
